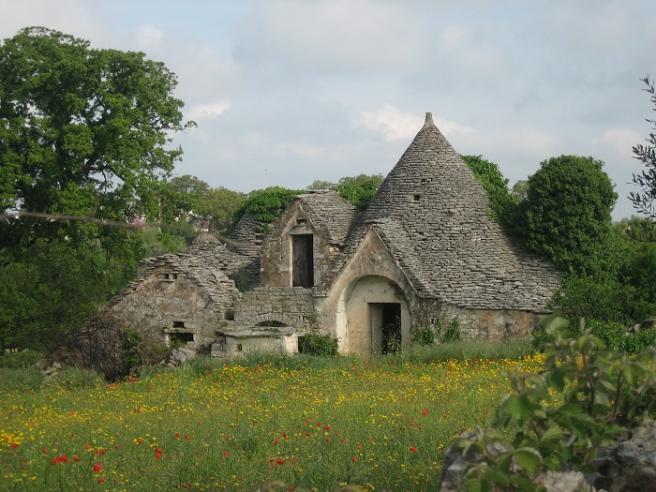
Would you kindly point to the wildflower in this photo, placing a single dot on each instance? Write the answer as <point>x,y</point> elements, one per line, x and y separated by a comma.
<point>44,450</point>
<point>158,453</point>
<point>14,445</point>
<point>275,441</point>
<point>138,441</point>
<point>62,458</point>
<point>354,459</point>
<point>424,412</point>
<point>97,468</point>
<point>226,454</point>
<point>413,449</point>
<point>284,435</point>
<point>75,458</point>
<point>177,435</point>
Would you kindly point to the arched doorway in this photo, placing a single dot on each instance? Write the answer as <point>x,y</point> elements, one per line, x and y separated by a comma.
<point>374,317</point>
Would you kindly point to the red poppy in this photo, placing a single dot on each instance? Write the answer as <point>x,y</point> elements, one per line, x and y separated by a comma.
<point>413,449</point>
<point>354,459</point>
<point>280,461</point>
<point>177,435</point>
<point>226,454</point>
<point>424,412</point>
<point>62,458</point>
<point>97,468</point>
<point>284,435</point>
<point>14,445</point>
<point>76,458</point>
<point>158,453</point>
<point>276,441</point>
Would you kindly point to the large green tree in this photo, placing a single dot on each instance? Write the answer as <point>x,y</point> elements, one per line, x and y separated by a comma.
<point>84,133</point>
<point>566,215</point>
<point>83,129</point>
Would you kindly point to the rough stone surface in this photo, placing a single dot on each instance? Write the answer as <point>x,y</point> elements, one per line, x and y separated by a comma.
<point>180,355</point>
<point>630,465</point>
<point>564,482</point>
<point>426,242</point>
<point>435,218</point>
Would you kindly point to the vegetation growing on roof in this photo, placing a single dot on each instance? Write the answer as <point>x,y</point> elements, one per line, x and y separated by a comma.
<point>267,205</point>
<point>357,190</point>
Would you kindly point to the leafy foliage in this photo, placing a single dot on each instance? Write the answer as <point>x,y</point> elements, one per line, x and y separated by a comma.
<point>566,213</point>
<point>585,397</point>
<point>85,133</point>
<point>503,202</point>
<point>359,190</point>
<point>315,344</point>
<point>423,336</point>
<point>268,204</point>
<point>447,333</point>
<point>645,200</point>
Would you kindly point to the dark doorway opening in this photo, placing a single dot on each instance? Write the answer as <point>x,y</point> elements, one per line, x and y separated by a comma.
<point>385,318</point>
<point>302,260</point>
<point>181,338</point>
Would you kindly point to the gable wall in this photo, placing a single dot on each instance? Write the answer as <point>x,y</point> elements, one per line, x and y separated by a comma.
<point>276,253</point>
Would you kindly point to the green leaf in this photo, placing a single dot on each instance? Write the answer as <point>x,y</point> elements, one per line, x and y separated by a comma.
<point>528,458</point>
<point>551,437</point>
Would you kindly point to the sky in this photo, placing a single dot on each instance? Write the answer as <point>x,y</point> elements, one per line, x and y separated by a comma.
<point>289,92</point>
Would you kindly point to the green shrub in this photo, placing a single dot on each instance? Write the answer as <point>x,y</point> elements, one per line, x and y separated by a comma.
<point>315,344</point>
<point>20,379</point>
<point>585,397</point>
<point>21,359</point>
<point>73,378</point>
<point>423,336</point>
<point>447,333</point>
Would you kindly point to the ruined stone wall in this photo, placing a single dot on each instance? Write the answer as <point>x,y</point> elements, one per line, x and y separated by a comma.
<point>291,306</point>
<point>276,253</point>
<point>155,305</point>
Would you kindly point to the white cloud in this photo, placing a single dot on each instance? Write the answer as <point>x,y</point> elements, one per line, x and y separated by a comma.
<point>208,111</point>
<point>394,124</point>
<point>620,141</point>
<point>149,37</point>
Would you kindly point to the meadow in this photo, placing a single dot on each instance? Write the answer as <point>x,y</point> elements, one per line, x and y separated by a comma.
<point>307,423</point>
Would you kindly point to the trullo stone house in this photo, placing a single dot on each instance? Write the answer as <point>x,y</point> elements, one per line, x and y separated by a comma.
<point>425,249</point>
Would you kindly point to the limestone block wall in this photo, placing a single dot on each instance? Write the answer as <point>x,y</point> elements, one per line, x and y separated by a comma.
<point>157,305</point>
<point>291,306</point>
<point>276,253</point>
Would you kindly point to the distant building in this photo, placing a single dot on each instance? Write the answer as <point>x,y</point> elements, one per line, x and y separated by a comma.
<point>426,250</point>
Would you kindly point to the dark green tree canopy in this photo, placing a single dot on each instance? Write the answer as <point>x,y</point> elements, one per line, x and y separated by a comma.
<point>503,202</point>
<point>566,215</point>
<point>82,130</point>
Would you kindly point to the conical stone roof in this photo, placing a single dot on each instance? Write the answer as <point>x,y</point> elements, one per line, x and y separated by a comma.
<point>436,220</point>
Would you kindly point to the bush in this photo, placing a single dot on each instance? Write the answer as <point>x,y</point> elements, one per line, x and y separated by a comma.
<point>21,359</point>
<point>20,379</point>
<point>73,378</point>
<point>585,398</point>
<point>447,333</point>
<point>315,344</point>
<point>423,336</point>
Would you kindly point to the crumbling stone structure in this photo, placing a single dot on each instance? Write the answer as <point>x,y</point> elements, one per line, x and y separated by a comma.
<point>426,250</point>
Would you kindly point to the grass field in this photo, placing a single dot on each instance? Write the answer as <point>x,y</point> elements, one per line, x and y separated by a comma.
<point>310,423</point>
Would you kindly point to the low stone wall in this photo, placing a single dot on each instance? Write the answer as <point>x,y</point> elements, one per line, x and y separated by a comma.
<point>289,306</point>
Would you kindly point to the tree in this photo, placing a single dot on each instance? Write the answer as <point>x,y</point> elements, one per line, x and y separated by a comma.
<point>223,205</point>
<point>645,200</point>
<point>566,215</point>
<point>83,132</point>
<point>503,202</point>
<point>267,205</point>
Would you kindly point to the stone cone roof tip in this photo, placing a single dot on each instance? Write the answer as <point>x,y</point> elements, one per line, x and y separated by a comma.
<point>437,221</point>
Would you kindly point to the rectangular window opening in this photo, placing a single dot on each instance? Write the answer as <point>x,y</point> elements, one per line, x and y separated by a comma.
<point>181,338</point>
<point>178,324</point>
<point>417,197</point>
<point>229,315</point>
<point>303,260</point>
<point>240,348</point>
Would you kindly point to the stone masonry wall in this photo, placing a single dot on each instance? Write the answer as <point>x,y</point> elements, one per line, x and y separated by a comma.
<point>292,306</point>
